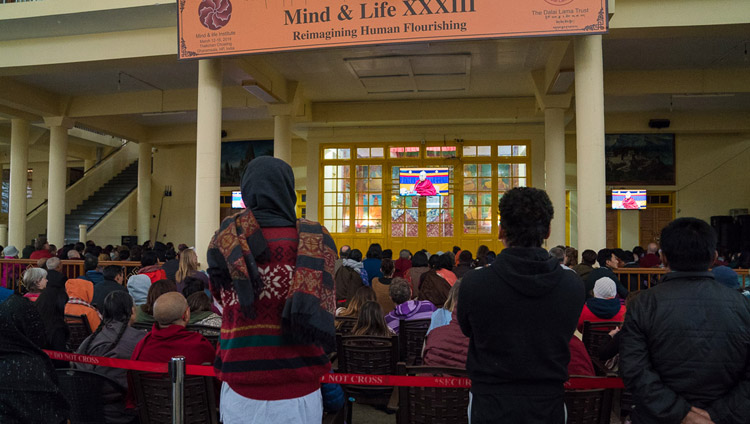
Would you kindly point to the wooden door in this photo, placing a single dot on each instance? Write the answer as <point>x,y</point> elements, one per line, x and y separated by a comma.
<point>613,228</point>
<point>651,222</point>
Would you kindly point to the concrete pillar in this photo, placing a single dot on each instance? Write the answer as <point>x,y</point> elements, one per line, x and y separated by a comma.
<point>82,233</point>
<point>3,235</point>
<point>58,167</point>
<point>554,167</point>
<point>19,162</point>
<point>313,191</point>
<point>591,180</point>
<point>208,155</point>
<point>282,138</point>
<point>88,164</point>
<point>144,192</point>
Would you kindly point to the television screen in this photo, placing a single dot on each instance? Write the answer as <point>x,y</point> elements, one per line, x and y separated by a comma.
<point>423,181</point>
<point>237,202</point>
<point>628,199</point>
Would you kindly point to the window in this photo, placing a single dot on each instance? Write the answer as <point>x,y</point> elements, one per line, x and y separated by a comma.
<point>337,153</point>
<point>404,152</point>
<point>369,195</point>
<point>441,151</point>
<point>477,151</point>
<point>404,210</point>
<point>511,150</point>
<point>477,207</point>
<point>336,189</point>
<point>370,152</point>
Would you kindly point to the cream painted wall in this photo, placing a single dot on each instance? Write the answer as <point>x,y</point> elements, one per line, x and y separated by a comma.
<point>175,166</point>
<point>711,174</point>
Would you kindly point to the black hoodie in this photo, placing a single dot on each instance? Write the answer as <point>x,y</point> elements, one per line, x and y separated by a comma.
<point>519,314</point>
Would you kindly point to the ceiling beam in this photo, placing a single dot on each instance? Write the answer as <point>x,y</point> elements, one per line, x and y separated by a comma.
<point>693,81</point>
<point>116,126</point>
<point>29,99</point>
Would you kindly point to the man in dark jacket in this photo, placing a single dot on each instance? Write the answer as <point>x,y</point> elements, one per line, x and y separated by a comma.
<point>685,347</point>
<point>114,276</point>
<point>607,262</point>
<point>519,314</point>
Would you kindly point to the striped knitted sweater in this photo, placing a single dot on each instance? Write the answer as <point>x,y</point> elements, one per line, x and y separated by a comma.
<point>255,358</point>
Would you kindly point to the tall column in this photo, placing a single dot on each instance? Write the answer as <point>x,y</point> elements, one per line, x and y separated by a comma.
<point>58,167</point>
<point>19,162</point>
<point>591,177</point>
<point>282,138</point>
<point>554,164</point>
<point>144,192</point>
<point>3,235</point>
<point>208,155</point>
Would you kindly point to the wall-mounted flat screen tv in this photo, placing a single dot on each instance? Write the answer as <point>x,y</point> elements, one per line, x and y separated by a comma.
<point>237,202</point>
<point>628,199</point>
<point>423,181</point>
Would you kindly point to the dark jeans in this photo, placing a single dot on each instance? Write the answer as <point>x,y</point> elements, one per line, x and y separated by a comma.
<point>517,409</point>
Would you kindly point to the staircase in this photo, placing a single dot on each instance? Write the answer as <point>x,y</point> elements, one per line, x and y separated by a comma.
<point>93,209</point>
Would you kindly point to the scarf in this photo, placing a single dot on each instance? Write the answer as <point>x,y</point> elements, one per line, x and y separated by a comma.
<point>351,263</point>
<point>79,301</point>
<point>308,311</point>
<point>268,191</point>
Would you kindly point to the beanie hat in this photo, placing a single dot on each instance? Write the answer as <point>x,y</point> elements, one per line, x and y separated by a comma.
<point>726,276</point>
<point>605,288</point>
<point>138,286</point>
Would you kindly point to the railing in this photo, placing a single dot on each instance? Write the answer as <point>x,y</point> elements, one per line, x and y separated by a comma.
<point>71,268</point>
<point>101,161</point>
<point>646,277</point>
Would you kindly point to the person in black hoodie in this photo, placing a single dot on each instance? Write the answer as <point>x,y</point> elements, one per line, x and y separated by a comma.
<point>607,262</point>
<point>519,314</point>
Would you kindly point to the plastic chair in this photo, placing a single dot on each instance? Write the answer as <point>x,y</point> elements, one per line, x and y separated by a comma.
<point>411,335</point>
<point>87,393</point>
<point>153,393</point>
<point>432,405</point>
<point>79,328</point>
<point>592,406</point>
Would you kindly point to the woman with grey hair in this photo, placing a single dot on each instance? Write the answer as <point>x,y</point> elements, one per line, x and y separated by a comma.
<point>35,280</point>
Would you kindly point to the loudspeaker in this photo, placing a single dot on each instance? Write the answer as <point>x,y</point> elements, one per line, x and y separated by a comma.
<point>658,123</point>
<point>726,232</point>
<point>743,222</point>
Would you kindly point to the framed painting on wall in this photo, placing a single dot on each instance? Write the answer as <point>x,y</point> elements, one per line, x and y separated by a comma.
<point>235,155</point>
<point>640,159</point>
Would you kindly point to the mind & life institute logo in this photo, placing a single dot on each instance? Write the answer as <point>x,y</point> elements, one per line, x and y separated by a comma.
<point>559,2</point>
<point>215,14</point>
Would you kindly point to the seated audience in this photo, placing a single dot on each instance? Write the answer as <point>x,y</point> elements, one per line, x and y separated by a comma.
<point>651,259</point>
<point>189,267</point>
<point>433,287</point>
<point>580,361</point>
<point>372,263</point>
<point>35,280</point>
<point>113,339</point>
<point>402,264</point>
<point>445,267</point>
<point>91,266</point>
<point>604,306</point>
<point>29,392</point>
<point>588,259</point>
<point>150,268</point>
<point>80,293</point>
<point>443,316</point>
<point>73,254</point>
<point>350,277</point>
<point>381,284</point>
<point>343,254</point>
<point>406,309</point>
<point>481,260</point>
<point>169,338</point>
<point>138,286</point>
<point>114,276</point>
<point>200,310</point>
<point>446,345</point>
<point>607,262</point>
<point>144,314</point>
<point>41,249</point>
<point>172,264</point>
<point>51,306</point>
<point>53,264</point>
<point>370,321</point>
<point>727,277</point>
<point>11,272</point>
<point>571,257</point>
<point>363,294</point>
<point>465,263</point>
<point>5,293</point>
<point>419,265</point>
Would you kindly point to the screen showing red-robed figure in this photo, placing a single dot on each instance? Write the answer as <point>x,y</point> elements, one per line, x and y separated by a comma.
<point>423,181</point>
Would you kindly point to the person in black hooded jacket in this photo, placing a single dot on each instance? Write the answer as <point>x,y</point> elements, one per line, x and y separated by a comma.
<point>685,344</point>
<point>519,314</point>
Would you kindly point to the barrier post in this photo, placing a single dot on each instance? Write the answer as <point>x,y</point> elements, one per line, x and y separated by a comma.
<point>177,375</point>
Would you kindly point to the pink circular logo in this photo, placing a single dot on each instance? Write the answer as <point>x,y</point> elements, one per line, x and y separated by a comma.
<point>214,14</point>
<point>559,2</point>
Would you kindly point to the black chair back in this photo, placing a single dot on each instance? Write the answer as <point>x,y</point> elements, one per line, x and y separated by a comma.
<point>411,335</point>
<point>344,325</point>
<point>79,328</point>
<point>153,395</point>
<point>142,326</point>
<point>596,334</point>
<point>432,405</point>
<point>592,406</point>
<point>87,393</point>
<point>212,334</point>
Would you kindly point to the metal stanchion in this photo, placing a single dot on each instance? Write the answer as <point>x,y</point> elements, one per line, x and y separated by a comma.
<point>177,374</point>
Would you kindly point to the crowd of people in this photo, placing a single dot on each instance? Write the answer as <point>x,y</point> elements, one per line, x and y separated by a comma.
<point>275,285</point>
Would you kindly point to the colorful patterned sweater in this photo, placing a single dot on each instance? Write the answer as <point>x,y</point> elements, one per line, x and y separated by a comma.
<point>254,358</point>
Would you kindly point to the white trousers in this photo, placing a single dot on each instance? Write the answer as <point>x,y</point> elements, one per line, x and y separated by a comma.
<point>236,409</point>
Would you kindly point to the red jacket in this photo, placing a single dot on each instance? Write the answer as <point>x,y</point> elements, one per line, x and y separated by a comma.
<point>587,315</point>
<point>154,273</point>
<point>580,361</point>
<point>161,344</point>
<point>446,346</point>
<point>402,265</point>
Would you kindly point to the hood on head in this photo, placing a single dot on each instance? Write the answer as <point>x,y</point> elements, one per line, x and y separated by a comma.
<point>268,191</point>
<point>82,289</point>
<point>528,270</point>
<point>138,286</point>
<point>604,308</point>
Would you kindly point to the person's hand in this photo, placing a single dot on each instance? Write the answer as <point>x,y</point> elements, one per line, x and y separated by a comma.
<point>613,332</point>
<point>697,416</point>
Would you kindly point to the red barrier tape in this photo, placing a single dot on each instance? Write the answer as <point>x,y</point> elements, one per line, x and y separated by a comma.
<point>356,379</point>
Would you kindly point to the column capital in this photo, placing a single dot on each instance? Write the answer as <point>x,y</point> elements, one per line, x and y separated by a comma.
<point>59,121</point>
<point>281,109</point>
